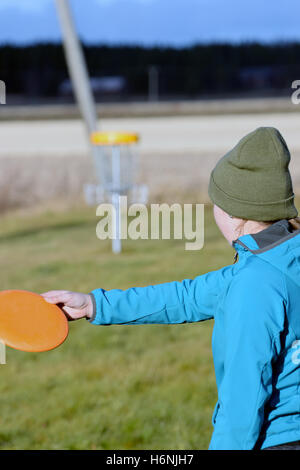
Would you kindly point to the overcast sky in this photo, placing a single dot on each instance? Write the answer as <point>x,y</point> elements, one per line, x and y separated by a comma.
<point>148,22</point>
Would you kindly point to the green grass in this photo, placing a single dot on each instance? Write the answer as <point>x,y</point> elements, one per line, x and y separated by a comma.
<point>110,387</point>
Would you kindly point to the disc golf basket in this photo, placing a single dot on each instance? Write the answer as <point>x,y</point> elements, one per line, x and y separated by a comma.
<point>116,170</point>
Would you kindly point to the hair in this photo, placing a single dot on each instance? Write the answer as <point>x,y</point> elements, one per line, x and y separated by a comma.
<point>295,223</point>
<point>239,228</point>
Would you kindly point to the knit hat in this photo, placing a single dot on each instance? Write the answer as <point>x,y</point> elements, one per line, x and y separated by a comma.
<point>253,181</point>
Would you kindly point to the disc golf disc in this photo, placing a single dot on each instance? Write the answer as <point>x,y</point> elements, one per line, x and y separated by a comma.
<point>29,323</point>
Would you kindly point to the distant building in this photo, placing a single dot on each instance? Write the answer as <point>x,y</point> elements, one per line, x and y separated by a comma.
<point>271,76</point>
<point>100,86</point>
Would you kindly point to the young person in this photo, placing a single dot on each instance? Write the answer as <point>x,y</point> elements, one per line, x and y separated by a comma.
<point>254,302</point>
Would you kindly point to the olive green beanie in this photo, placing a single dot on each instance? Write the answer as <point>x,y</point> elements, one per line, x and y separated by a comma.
<point>253,181</point>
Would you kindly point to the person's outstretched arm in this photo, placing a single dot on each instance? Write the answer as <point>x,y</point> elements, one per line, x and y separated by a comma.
<point>173,302</point>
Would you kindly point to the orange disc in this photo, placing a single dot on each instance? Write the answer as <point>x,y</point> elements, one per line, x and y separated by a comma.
<point>29,323</point>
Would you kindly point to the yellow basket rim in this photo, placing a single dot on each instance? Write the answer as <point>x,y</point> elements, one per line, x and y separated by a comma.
<point>114,138</point>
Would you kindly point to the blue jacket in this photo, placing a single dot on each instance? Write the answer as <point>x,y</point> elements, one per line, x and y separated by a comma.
<point>255,304</point>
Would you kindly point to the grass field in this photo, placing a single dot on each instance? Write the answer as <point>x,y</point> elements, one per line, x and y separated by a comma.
<point>113,387</point>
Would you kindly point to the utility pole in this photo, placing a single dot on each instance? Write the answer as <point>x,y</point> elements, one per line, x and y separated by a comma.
<point>77,68</point>
<point>153,83</point>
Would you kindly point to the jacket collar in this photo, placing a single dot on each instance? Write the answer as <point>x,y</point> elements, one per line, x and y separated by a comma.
<point>266,239</point>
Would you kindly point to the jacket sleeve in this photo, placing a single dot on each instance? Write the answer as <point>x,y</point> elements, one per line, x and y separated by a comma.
<point>253,321</point>
<point>173,302</point>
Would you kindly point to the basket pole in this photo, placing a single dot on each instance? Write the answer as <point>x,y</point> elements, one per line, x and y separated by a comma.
<point>116,188</point>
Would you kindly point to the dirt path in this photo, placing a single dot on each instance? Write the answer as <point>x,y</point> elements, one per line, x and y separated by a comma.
<point>177,154</point>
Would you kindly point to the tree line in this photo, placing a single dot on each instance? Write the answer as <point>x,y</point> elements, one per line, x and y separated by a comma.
<point>199,70</point>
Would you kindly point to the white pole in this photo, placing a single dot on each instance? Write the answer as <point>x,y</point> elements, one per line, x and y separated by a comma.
<point>77,69</point>
<point>116,183</point>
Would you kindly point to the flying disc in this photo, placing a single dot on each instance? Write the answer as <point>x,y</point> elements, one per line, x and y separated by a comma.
<point>29,323</point>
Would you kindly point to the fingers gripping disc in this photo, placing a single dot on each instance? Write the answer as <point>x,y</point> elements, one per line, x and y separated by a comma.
<point>29,323</point>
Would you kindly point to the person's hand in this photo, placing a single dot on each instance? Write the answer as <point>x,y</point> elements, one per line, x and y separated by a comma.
<point>74,304</point>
